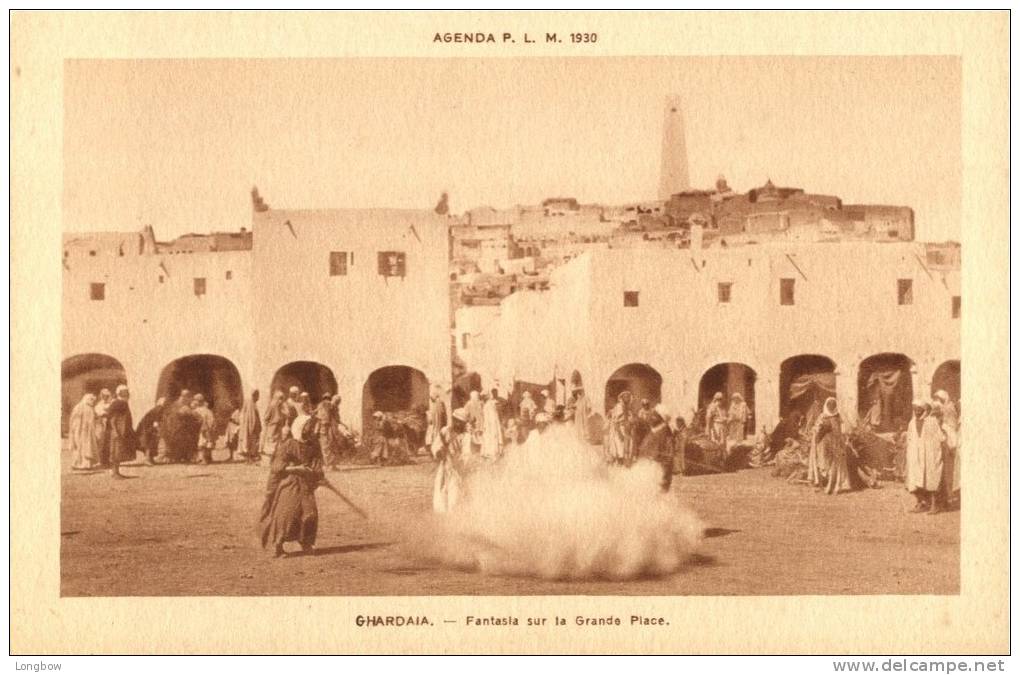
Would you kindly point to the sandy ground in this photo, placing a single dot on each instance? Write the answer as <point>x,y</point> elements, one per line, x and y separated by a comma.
<point>189,530</point>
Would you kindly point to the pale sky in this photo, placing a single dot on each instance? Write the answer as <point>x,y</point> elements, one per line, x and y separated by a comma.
<point>179,144</point>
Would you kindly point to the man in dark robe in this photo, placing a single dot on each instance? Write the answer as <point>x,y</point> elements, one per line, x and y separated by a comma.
<point>829,468</point>
<point>390,441</point>
<point>122,431</point>
<point>289,511</point>
<point>148,431</point>
<point>642,421</point>
<point>680,433</point>
<point>249,429</point>
<point>103,426</point>
<point>176,428</point>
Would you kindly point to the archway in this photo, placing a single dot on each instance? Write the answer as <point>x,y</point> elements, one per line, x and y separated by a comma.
<point>309,376</point>
<point>86,373</point>
<point>640,379</point>
<point>947,378</point>
<point>805,381</point>
<point>394,389</point>
<point>215,377</point>
<point>729,379</point>
<point>885,392</point>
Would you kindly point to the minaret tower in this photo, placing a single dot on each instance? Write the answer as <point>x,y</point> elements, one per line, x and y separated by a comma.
<point>673,177</point>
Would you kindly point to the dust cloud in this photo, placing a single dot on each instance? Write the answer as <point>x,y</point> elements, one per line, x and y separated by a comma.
<point>553,509</point>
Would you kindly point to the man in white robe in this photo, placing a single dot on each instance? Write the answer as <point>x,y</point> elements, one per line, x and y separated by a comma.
<point>436,420</point>
<point>449,481</point>
<point>82,435</point>
<point>715,419</point>
<point>579,410</point>
<point>951,429</point>
<point>924,458</point>
<point>475,422</point>
<point>619,429</point>
<point>492,429</point>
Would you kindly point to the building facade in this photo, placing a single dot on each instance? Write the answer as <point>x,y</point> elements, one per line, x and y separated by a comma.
<point>364,303</point>
<point>349,302</point>
<point>677,325</point>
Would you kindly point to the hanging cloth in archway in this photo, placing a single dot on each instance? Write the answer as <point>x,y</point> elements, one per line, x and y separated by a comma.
<point>810,391</point>
<point>817,385</point>
<point>885,385</point>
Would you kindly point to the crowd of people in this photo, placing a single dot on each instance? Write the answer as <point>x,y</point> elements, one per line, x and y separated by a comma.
<point>185,430</point>
<point>100,431</point>
<point>253,441</point>
<point>829,455</point>
<point>301,439</point>
<point>486,428</point>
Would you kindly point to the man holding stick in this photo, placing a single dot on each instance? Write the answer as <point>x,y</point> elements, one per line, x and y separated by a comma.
<point>290,511</point>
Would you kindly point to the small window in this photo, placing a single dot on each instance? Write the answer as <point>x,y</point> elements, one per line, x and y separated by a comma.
<point>229,275</point>
<point>630,298</point>
<point>199,286</point>
<point>786,287</point>
<point>724,290</point>
<point>92,253</point>
<point>464,341</point>
<point>338,263</point>
<point>160,278</point>
<point>392,263</point>
<point>956,306</point>
<point>905,291</point>
<point>97,291</point>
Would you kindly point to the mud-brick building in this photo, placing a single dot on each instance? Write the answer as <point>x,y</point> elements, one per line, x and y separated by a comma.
<point>783,323</point>
<point>353,301</point>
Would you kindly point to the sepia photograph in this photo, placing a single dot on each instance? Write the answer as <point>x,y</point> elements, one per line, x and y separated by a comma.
<point>632,326</point>
<point>509,332</point>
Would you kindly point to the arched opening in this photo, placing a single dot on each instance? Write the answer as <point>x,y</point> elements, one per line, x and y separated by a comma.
<point>729,379</point>
<point>462,388</point>
<point>309,376</point>
<point>947,378</point>
<point>805,381</point>
<point>394,389</point>
<point>885,392</point>
<point>640,379</point>
<point>215,377</point>
<point>86,374</point>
